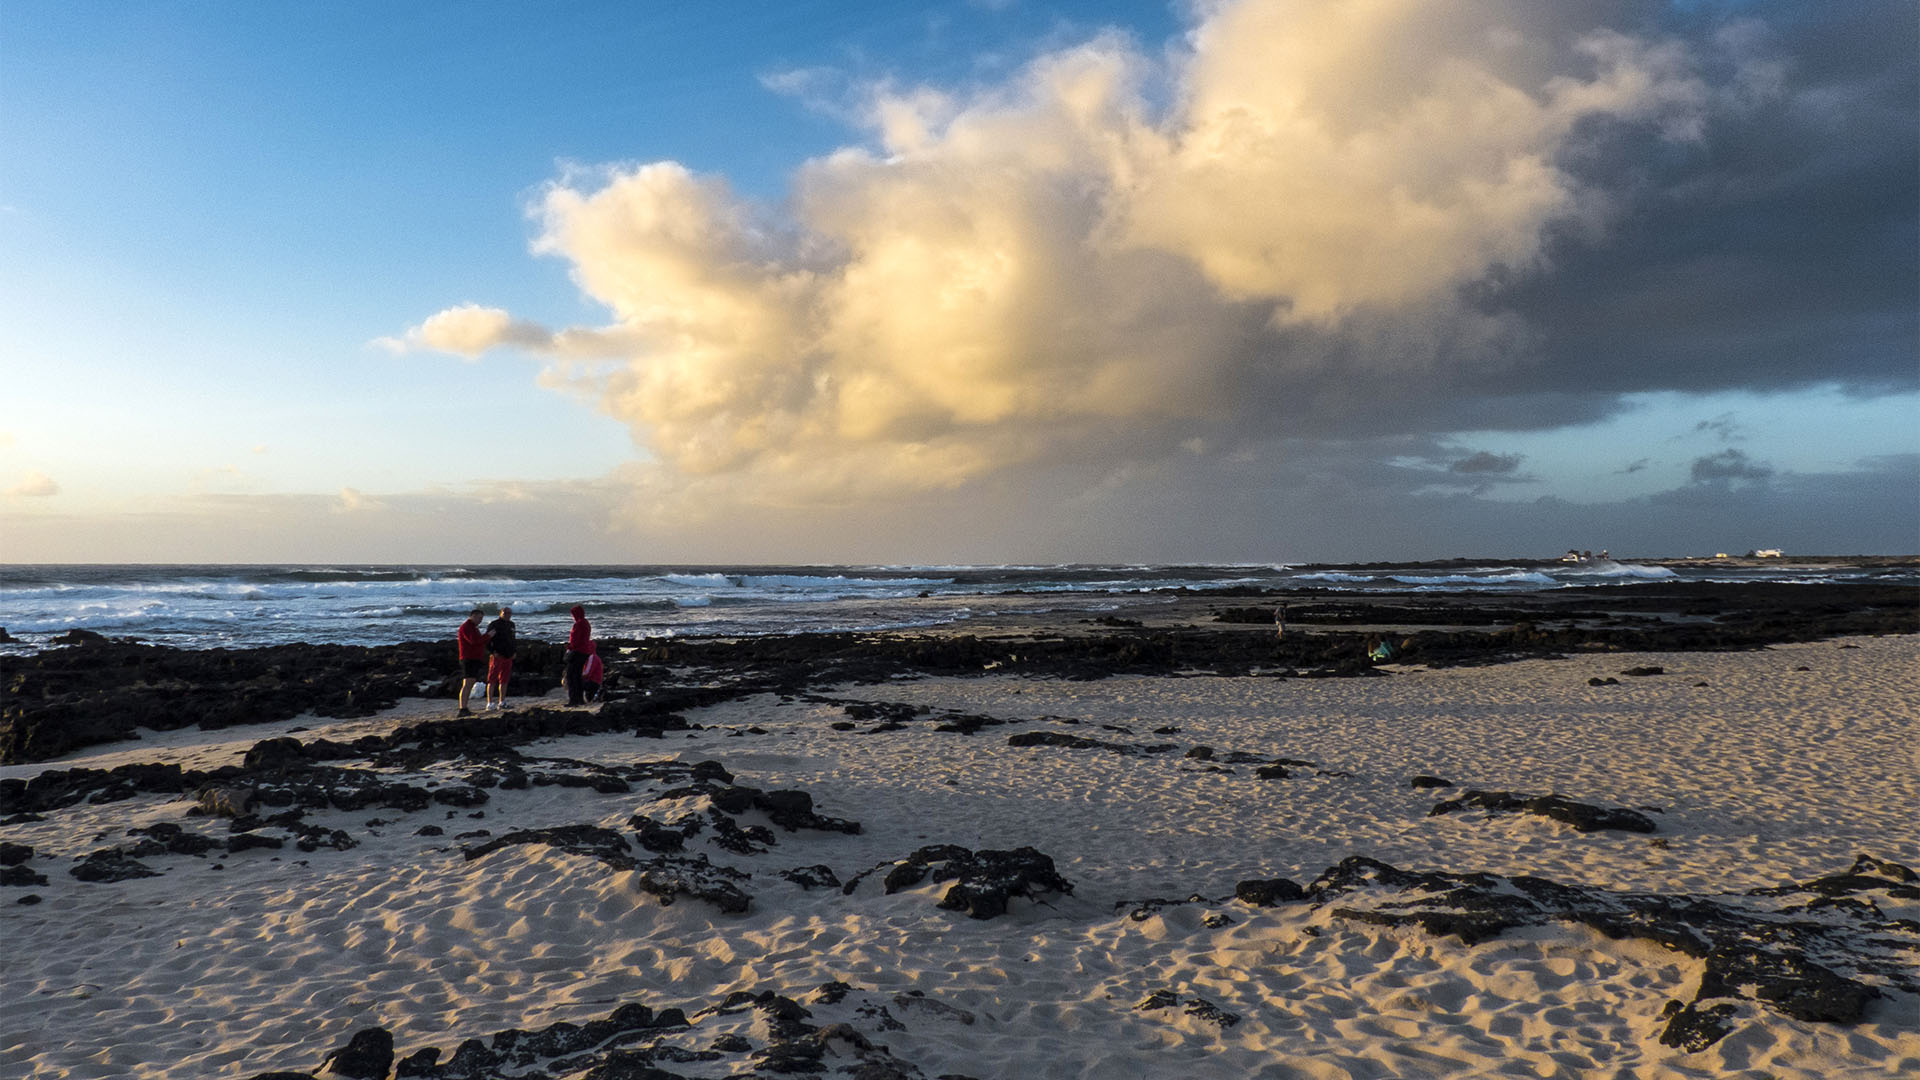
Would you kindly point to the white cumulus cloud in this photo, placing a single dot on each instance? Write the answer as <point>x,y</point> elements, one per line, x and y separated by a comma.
<point>34,485</point>
<point>1110,255</point>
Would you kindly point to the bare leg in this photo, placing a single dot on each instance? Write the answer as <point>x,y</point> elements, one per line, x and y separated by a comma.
<point>466,691</point>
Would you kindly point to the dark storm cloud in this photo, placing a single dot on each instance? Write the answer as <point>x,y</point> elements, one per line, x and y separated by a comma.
<point>1782,249</point>
<point>1729,466</point>
<point>1486,463</point>
<point>1722,426</point>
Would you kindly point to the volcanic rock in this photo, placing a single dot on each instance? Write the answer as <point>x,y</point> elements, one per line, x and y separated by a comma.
<point>1581,816</point>
<point>367,1056</point>
<point>590,840</point>
<point>1827,971</point>
<point>21,876</point>
<point>983,881</point>
<point>111,865</point>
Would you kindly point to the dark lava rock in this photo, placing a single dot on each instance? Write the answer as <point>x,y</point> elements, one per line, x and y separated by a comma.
<point>812,877</point>
<point>465,795</point>
<point>29,899</point>
<point>108,689</point>
<point>1196,1007</point>
<point>1581,816</point>
<point>671,876</point>
<point>111,865</point>
<point>282,1075</point>
<point>1812,970</point>
<point>515,1051</point>
<point>248,841</point>
<point>590,840</point>
<point>1076,742</point>
<point>656,837</point>
<point>429,830</point>
<point>1267,892</point>
<point>14,854</point>
<point>367,1056</point>
<point>1648,670</point>
<point>55,789</point>
<point>276,755</point>
<point>1867,874</point>
<point>1598,681</point>
<point>831,993</point>
<point>982,881</point>
<point>1428,782</point>
<point>166,838</point>
<point>968,724</point>
<point>791,810</point>
<point>883,710</point>
<point>21,876</point>
<point>1693,1028</point>
<point>1142,910</point>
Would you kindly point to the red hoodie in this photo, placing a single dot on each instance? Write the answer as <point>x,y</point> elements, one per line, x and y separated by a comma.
<point>582,635</point>
<point>473,643</point>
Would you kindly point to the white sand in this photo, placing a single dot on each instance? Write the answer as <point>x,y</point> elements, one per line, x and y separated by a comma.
<point>1766,775</point>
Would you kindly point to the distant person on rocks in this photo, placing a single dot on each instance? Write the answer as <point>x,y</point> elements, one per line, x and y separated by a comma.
<point>473,657</point>
<point>594,674</point>
<point>579,647</point>
<point>500,659</point>
<point>1280,621</point>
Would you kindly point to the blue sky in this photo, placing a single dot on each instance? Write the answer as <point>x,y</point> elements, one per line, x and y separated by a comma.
<point>212,214</point>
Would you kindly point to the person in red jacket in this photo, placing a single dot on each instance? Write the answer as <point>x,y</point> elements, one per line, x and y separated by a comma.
<point>473,657</point>
<point>579,644</point>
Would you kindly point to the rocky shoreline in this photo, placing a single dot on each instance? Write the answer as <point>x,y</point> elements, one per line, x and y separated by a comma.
<point>91,689</point>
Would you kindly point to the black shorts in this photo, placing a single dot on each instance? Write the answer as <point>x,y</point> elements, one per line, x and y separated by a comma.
<point>473,669</point>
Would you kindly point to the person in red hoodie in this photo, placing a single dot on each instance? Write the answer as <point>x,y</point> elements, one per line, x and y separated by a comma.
<point>473,657</point>
<point>579,644</point>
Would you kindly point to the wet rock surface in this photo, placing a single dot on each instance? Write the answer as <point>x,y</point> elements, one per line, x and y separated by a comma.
<point>1581,816</point>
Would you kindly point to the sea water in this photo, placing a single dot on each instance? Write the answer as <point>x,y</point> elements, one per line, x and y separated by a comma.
<point>238,606</point>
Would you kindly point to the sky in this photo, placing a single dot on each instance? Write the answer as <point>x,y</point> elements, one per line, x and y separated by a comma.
<point>957,281</point>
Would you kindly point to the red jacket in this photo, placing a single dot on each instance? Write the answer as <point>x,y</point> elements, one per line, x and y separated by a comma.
<point>473,643</point>
<point>582,634</point>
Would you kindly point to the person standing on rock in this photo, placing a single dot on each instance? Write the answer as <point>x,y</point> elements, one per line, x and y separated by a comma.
<point>579,644</point>
<point>500,658</point>
<point>473,657</point>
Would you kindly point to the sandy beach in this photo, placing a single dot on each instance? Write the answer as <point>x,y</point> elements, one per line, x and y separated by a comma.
<point>1756,770</point>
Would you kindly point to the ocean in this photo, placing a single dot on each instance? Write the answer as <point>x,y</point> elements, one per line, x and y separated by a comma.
<point>241,606</point>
